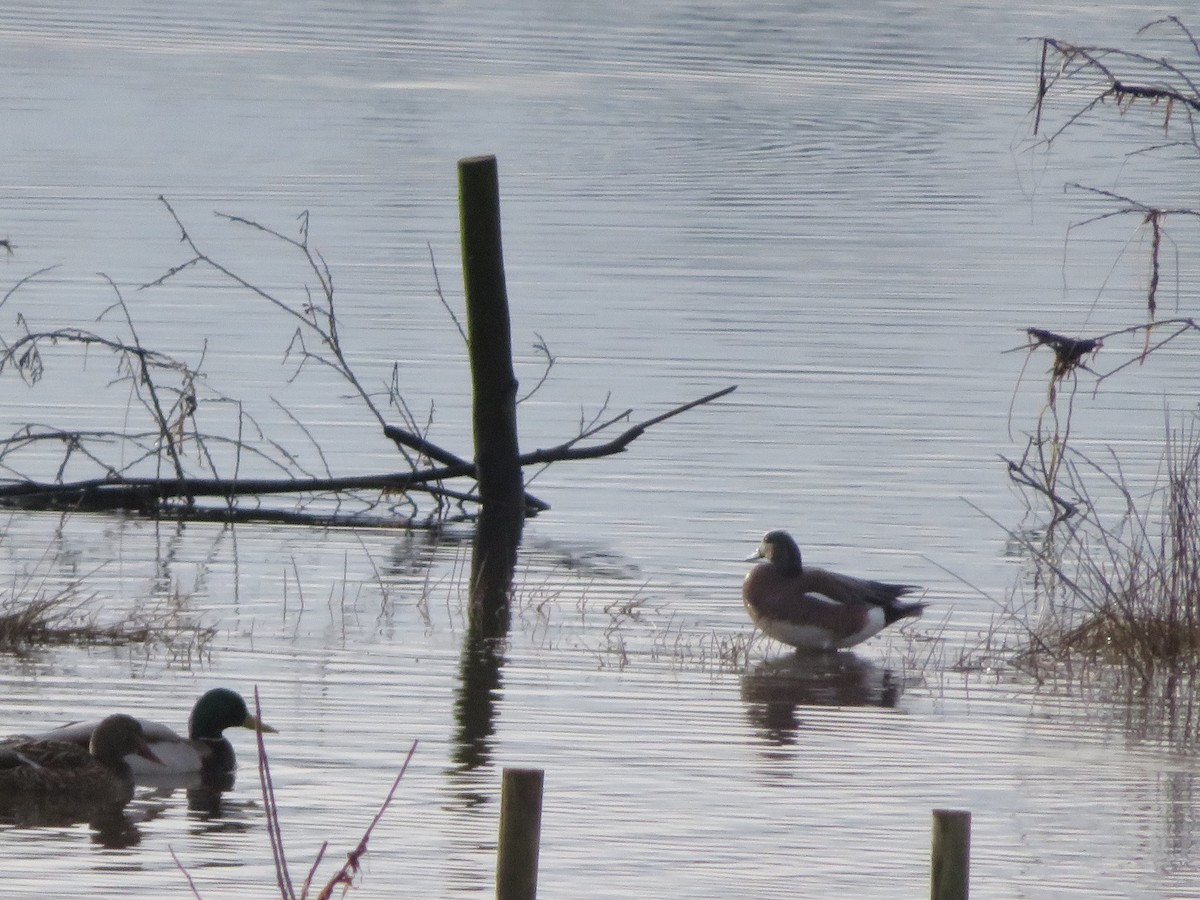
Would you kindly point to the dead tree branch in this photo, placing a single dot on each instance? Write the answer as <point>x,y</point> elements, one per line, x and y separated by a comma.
<point>193,441</point>
<point>148,494</point>
<point>1174,87</point>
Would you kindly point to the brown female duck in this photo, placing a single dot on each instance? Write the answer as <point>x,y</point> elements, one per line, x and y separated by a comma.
<point>812,609</point>
<point>38,769</point>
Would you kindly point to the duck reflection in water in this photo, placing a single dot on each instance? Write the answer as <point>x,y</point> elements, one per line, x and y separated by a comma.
<point>775,690</point>
<point>206,794</point>
<point>117,826</point>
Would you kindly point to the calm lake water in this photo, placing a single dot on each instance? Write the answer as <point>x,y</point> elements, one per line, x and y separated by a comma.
<point>835,207</point>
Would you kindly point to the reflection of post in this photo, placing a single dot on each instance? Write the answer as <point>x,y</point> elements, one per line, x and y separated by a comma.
<point>475,706</point>
<point>470,777</point>
<point>520,834</point>
<point>501,490</point>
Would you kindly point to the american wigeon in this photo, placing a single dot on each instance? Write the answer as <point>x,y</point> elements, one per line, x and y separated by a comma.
<point>64,771</point>
<point>813,609</point>
<point>205,750</point>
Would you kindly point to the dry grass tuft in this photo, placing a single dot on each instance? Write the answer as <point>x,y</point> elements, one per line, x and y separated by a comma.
<point>41,616</point>
<point>1115,589</point>
<point>62,617</point>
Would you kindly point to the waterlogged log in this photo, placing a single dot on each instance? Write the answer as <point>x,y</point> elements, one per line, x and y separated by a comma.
<point>489,339</point>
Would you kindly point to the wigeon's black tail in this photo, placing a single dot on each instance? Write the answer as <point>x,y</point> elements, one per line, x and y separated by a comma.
<point>895,611</point>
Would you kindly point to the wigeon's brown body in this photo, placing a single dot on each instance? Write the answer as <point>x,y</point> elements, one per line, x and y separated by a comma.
<point>813,609</point>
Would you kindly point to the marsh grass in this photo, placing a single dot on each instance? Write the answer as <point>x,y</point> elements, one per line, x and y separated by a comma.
<point>915,648</point>
<point>35,613</point>
<point>62,616</point>
<point>1114,591</point>
<point>617,619</point>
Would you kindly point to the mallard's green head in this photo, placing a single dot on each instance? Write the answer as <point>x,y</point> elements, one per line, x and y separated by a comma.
<point>219,709</point>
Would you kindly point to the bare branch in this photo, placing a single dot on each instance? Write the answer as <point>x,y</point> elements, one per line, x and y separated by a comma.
<point>437,283</point>
<point>181,405</point>
<point>148,494</point>
<point>568,451</point>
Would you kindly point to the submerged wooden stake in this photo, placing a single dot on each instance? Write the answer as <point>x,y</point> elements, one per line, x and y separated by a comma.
<point>520,834</point>
<point>489,338</point>
<point>951,864</point>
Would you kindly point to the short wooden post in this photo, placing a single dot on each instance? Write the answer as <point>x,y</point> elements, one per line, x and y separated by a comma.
<point>520,834</point>
<point>489,339</point>
<point>951,866</point>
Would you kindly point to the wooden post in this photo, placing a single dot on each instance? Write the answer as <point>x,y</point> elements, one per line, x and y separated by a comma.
<point>501,489</point>
<point>520,834</point>
<point>951,865</point>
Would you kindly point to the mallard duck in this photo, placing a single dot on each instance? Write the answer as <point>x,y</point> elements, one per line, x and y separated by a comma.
<point>812,609</point>
<point>32,769</point>
<point>205,749</point>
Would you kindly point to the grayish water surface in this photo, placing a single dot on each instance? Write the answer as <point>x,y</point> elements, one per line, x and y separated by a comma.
<point>833,206</point>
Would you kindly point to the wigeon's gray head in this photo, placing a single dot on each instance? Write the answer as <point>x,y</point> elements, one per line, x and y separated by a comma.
<point>779,548</point>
